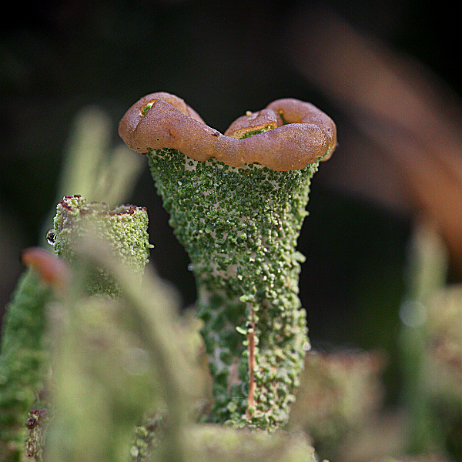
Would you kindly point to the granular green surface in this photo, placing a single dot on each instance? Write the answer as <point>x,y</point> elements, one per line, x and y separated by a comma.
<point>240,228</point>
<point>124,229</point>
<point>24,361</point>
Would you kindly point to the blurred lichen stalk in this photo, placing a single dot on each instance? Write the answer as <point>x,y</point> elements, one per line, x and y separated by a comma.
<point>98,364</point>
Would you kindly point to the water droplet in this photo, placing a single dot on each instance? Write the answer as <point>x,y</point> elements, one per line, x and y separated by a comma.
<point>190,267</point>
<point>51,236</point>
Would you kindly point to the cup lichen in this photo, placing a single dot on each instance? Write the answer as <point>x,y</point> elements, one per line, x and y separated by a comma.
<point>124,228</point>
<point>239,222</point>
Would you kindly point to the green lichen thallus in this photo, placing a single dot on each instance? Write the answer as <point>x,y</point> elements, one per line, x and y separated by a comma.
<point>123,229</point>
<point>239,221</point>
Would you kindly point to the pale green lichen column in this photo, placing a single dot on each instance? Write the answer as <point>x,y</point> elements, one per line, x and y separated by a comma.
<point>124,229</point>
<point>240,228</point>
<point>23,361</point>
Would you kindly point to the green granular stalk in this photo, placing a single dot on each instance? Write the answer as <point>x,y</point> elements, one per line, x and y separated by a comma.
<point>24,361</point>
<point>124,229</point>
<point>240,228</point>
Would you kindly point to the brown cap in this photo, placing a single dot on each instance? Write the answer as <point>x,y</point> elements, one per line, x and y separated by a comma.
<point>51,269</point>
<point>293,133</point>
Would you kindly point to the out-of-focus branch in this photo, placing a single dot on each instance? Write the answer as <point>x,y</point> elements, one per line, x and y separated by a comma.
<point>399,108</point>
<point>91,167</point>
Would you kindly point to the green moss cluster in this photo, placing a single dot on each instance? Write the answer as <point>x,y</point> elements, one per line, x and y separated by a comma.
<point>240,228</point>
<point>124,228</point>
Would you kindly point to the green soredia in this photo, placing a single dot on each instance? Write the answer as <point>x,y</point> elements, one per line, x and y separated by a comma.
<point>240,226</point>
<point>24,361</point>
<point>24,358</point>
<point>124,228</point>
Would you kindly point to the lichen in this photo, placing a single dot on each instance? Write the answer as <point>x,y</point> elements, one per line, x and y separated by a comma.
<point>36,425</point>
<point>147,437</point>
<point>24,361</point>
<point>25,349</point>
<point>256,132</point>
<point>224,444</point>
<point>240,228</point>
<point>124,228</point>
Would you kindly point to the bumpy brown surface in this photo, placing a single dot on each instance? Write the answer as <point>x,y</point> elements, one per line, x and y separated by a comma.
<point>299,135</point>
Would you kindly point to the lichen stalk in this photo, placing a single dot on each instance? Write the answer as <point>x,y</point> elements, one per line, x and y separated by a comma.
<point>124,228</point>
<point>24,361</point>
<point>240,226</point>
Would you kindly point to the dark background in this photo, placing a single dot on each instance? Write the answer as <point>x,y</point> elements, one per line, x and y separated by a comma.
<point>223,58</point>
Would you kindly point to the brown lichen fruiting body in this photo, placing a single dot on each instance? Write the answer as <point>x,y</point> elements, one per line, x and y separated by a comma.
<point>52,270</point>
<point>298,133</point>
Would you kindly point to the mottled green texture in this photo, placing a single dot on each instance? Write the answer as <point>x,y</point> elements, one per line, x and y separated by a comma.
<point>240,228</point>
<point>212,443</point>
<point>23,361</point>
<point>217,443</point>
<point>36,424</point>
<point>124,228</point>
<point>147,437</point>
<point>103,382</point>
<point>116,359</point>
